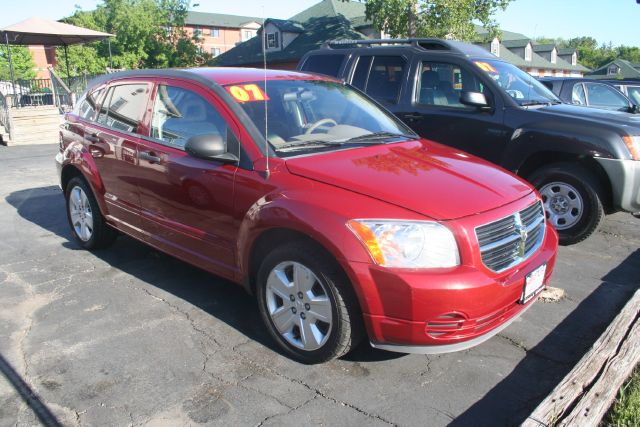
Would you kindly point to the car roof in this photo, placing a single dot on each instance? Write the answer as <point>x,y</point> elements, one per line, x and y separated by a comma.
<point>217,75</point>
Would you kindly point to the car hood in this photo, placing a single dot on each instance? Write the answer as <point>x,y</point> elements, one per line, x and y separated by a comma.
<point>423,176</point>
<point>609,116</point>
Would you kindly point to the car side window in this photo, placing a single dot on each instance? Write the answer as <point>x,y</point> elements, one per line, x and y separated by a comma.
<point>88,105</point>
<point>600,95</point>
<point>441,84</point>
<point>124,106</point>
<point>179,114</point>
<point>634,93</point>
<point>324,64</point>
<point>577,95</point>
<point>381,79</point>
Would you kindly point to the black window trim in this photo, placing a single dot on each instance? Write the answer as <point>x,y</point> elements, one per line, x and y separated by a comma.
<point>374,55</point>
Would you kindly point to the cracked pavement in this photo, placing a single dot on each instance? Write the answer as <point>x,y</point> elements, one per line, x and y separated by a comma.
<point>130,336</point>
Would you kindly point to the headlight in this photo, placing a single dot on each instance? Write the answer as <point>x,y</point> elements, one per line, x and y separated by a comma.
<point>633,144</point>
<point>407,244</point>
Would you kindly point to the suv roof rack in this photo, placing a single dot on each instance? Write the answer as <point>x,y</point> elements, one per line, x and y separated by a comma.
<point>424,43</point>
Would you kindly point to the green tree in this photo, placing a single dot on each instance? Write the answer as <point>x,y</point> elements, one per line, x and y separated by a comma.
<point>23,65</point>
<point>434,18</point>
<point>148,34</point>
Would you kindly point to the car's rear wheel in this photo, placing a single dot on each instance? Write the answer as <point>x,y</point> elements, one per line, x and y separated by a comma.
<point>88,226</point>
<point>571,197</point>
<point>307,303</point>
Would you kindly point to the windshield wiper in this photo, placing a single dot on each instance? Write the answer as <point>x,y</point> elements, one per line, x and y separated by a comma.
<point>531,103</point>
<point>378,135</point>
<point>304,144</point>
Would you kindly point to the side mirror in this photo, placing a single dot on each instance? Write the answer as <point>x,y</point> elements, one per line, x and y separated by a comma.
<point>634,109</point>
<point>209,147</point>
<point>474,99</point>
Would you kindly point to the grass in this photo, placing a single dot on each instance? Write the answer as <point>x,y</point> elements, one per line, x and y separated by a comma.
<point>625,412</point>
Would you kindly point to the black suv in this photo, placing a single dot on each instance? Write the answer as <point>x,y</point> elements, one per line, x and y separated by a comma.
<point>590,93</point>
<point>585,162</point>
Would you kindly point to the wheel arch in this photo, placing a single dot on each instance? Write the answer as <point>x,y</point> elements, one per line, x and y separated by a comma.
<point>546,158</point>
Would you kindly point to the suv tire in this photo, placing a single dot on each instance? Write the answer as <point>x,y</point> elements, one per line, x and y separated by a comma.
<point>571,197</point>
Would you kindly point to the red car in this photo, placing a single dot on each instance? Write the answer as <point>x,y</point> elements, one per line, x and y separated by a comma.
<point>314,198</point>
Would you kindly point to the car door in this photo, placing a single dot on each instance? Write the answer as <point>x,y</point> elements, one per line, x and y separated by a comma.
<point>112,139</point>
<point>188,202</point>
<point>434,111</point>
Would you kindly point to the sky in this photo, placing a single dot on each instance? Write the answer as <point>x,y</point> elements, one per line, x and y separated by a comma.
<point>615,21</point>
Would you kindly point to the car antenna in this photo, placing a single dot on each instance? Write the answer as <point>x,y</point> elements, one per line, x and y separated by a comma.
<point>264,68</point>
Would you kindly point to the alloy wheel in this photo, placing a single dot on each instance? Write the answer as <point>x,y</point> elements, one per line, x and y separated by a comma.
<point>80,214</point>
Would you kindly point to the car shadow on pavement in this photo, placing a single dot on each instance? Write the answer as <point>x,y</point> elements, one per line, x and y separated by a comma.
<point>226,301</point>
<point>512,400</point>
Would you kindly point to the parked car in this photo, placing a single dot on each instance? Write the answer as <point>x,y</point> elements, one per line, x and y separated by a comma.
<point>590,93</point>
<point>325,206</point>
<point>631,88</point>
<point>585,162</point>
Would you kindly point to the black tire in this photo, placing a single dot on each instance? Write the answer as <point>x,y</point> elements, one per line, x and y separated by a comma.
<point>588,189</point>
<point>102,235</point>
<point>346,328</point>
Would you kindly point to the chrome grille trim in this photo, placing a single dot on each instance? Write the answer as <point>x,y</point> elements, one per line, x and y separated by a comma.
<point>511,240</point>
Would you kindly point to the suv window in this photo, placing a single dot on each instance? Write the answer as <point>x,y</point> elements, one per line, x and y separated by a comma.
<point>578,96</point>
<point>124,106</point>
<point>601,95</point>
<point>442,83</point>
<point>381,79</point>
<point>634,93</point>
<point>179,114</point>
<point>324,64</point>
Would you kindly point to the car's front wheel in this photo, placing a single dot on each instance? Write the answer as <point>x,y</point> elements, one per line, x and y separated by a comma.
<point>571,200</point>
<point>87,223</point>
<point>307,303</point>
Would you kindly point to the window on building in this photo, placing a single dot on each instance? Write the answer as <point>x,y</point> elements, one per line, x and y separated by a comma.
<point>247,34</point>
<point>215,32</point>
<point>215,51</point>
<point>495,47</point>
<point>272,41</point>
<point>197,31</point>
<point>528,52</point>
<point>574,58</point>
<point>613,70</point>
<point>554,56</point>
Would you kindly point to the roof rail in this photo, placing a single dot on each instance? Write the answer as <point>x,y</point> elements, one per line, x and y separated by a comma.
<point>423,43</point>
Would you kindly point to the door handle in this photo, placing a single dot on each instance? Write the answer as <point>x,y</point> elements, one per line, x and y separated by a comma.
<point>412,117</point>
<point>93,138</point>
<point>149,156</point>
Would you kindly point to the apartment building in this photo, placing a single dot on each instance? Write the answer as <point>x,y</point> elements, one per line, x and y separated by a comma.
<point>218,32</point>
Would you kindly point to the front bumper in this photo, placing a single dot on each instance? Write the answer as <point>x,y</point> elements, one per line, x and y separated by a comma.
<point>625,182</point>
<point>445,310</point>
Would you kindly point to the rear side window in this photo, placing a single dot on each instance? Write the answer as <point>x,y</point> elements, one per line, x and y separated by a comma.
<point>380,77</point>
<point>577,95</point>
<point>124,106</point>
<point>324,64</point>
<point>87,106</point>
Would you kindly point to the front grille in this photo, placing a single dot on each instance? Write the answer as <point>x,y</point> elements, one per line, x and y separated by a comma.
<point>511,240</point>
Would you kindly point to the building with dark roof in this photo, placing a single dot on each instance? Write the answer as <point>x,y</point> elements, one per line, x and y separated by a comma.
<point>617,69</point>
<point>218,32</point>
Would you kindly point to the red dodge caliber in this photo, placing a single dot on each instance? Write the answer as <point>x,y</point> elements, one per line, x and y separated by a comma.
<point>340,220</point>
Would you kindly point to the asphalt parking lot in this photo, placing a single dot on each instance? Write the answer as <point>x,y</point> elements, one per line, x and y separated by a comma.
<point>129,336</point>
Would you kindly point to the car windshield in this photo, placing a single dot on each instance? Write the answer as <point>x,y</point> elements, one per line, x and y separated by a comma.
<point>314,115</point>
<point>522,87</point>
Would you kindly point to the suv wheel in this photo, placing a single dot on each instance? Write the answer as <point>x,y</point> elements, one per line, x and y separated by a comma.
<point>87,223</point>
<point>571,200</point>
<point>307,304</point>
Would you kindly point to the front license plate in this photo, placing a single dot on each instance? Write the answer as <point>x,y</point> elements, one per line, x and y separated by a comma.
<point>533,283</point>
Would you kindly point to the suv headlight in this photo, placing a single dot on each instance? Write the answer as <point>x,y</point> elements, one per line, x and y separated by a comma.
<point>407,244</point>
<point>633,144</point>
